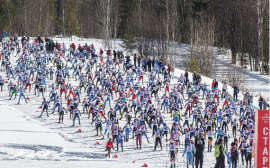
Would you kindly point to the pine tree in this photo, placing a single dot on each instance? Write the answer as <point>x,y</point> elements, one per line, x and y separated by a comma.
<point>194,66</point>
<point>71,23</point>
<point>128,42</point>
<point>4,18</point>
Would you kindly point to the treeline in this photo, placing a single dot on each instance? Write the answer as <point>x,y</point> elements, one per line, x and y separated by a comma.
<point>152,27</point>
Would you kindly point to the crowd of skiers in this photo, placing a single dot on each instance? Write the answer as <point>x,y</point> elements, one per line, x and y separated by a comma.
<point>132,99</point>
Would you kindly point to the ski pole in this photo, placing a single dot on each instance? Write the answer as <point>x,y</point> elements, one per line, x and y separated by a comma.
<point>205,156</point>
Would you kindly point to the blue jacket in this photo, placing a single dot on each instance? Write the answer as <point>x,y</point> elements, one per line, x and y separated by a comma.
<point>142,61</point>
<point>162,65</point>
<point>5,34</point>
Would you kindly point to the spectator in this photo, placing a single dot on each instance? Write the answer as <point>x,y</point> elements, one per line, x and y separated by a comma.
<point>265,105</point>
<point>39,39</point>
<point>127,59</point>
<point>213,85</point>
<point>139,61</point>
<point>143,64</point>
<point>169,69</point>
<point>234,153</point>
<point>216,84</point>
<point>186,76</point>
<point>135,60</point>
<point>235,91</point>
<point>114,54</point>
<point>149,65</point>
<point>194,78</point>
<point>4,34</point>
<point>260,102</point>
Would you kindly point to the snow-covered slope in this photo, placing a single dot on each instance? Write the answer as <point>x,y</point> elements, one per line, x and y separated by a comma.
<point>28,141</point>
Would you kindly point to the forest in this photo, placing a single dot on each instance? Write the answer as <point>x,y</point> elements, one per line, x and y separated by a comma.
<point>152,27</point>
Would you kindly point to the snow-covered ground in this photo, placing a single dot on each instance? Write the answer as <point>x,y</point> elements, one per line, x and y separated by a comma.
<point>253,82</point>
<point>28,141</point>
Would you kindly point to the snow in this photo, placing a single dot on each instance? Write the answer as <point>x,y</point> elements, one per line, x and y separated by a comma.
<point>254,82</point>
<point>27,141</point>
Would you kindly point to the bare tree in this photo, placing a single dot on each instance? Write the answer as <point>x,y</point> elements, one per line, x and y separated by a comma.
<point>202,43</point>
<point>105,20</point>
<point>115,18</point>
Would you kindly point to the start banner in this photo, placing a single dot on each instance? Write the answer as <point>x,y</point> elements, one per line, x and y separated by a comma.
<point>262,138</point>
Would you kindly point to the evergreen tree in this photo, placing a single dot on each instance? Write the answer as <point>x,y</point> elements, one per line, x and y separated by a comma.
<point>126,10</point>
<point>194,66</point>
<point>128,42</point>
<point>3,16</point>
<point>71,23</point>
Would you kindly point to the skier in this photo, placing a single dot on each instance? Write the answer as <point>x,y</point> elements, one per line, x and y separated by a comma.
<point>127,129</point>
<point>76,113</point>
<point>61,113</point>
<point>98,124</point>
<point>1,83</point>
<point>107,129</point>
<point>158,140</point>
<point>109,146</point>
<point>120,140</point>
<point>45,105</point>
<point>189,149</point>
<point>172,150</point>
<point>22,90</point>
<point>139,137</point>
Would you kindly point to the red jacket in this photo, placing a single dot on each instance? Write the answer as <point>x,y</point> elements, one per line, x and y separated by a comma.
<point>73,46</point>
<point>109,145</point>
<point>79,47</point>
<point>213,84</point>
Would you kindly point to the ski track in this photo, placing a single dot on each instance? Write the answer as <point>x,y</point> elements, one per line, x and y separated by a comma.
<point>84,148</point>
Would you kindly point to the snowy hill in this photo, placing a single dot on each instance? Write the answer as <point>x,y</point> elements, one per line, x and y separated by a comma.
<point>28,141</point>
